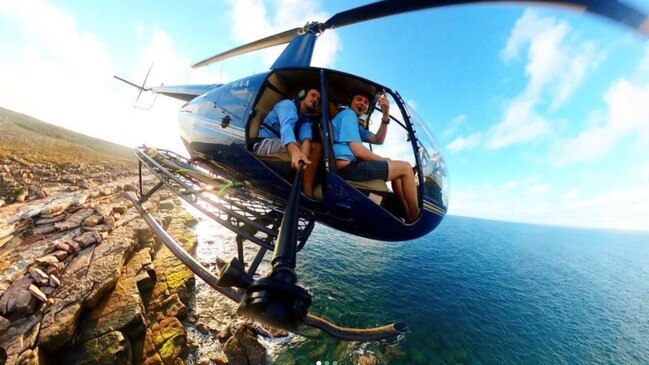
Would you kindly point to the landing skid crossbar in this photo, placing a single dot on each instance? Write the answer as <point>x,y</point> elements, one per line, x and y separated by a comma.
<point>231,204</point>
<point>252,218</point>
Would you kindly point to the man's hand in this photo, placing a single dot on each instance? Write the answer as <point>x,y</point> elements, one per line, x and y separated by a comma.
<point>296,155</point>
<point>384,104</point>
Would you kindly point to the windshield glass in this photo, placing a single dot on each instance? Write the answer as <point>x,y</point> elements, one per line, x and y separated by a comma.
<point>432,160</point>
<point>397,145</point>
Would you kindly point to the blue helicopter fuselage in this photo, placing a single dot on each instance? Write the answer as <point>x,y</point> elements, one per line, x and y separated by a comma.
<point>213,127</point>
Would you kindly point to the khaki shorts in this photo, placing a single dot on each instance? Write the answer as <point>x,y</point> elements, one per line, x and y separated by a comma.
<point>269,146</point>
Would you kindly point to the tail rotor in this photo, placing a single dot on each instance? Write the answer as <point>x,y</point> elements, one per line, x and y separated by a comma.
<point>141,89</point>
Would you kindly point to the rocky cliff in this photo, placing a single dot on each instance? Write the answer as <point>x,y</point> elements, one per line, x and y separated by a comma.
<point>82,279</point>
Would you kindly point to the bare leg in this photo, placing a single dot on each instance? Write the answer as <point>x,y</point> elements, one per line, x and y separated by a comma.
<point>398,191</point>
<point>315,156</point>
<point>402,171</point>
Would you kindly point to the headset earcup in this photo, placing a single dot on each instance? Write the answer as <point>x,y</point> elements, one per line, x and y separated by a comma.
<point>301,95</point>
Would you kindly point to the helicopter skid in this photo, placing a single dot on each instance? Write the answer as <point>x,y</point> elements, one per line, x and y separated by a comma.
<point>179,175</point>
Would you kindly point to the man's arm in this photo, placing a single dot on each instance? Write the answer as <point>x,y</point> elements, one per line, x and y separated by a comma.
<point>287,114</point>
<point>305,147</point>
<point>379,137</point>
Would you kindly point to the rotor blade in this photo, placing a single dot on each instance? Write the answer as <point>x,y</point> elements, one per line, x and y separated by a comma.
<point>143,84</point>
<point>130,83</point>
<point>614,10</point>
<point>273,40</point>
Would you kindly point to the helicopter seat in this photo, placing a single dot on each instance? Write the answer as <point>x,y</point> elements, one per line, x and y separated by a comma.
<point>375,189</point>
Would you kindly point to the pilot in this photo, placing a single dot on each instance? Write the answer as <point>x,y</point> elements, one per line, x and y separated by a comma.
<point>288,127</point>
<point>356,162</point>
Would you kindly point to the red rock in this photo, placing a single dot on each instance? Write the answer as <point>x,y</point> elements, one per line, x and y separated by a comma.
<point>49,259</point>
<point>39,276</point>
<point>37,293</point>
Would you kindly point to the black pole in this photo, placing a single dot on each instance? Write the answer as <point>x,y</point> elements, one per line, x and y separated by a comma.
<point>277,300</point>
<point>284,255</point>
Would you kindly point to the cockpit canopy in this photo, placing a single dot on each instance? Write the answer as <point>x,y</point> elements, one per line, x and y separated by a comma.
<point>408,138</point>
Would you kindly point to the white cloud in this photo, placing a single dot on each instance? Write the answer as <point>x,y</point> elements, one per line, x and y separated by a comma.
<point>585,58</point>
<point>56,72</point>
<point>529,201</point>
<point>624,209</point>
<point>572,194</point>
<point>538,190</point>
<point>520,123</point>
<point>627,114</point>
<point>453,126</point>
<point>556,65</point>
<point>254,19</point>
<point>545,56</point>
<point>465,143</point>
<point>526,27</point>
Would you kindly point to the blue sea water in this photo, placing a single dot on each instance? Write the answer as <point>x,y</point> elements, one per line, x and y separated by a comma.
<point>481,292</point>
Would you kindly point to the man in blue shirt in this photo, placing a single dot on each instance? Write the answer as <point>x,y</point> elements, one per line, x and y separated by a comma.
<point>288,128</point>
<point>356,162</point>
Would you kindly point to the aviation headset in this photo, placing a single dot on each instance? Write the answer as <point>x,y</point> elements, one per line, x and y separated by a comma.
<point>303,93</point>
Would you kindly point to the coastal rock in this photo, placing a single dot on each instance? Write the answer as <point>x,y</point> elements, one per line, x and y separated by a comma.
<point>20,337</point>
<point>60,254</point>
<point>6,229</point>
<point>243,347</point>
<point>111,348</point>
<point>121,310</point>
<point>4,324</point>
<point>31,357</point>
<point>54,281</point>
<point>140,266</point>
<point>368,359</point>
<point>74,220</point>
<point>17,298</point>
<point>44,229</point>
<point>39,276</point>
<point>88,238</point>
<point>56,218</point>
<point>166,205</point>
<point>170,340</point>
<point>59,324</point>
<point>37,293</point>
<point>47,260</point>
<point>32,239</point>
<point>172,307</point>
<point>51,249</point>
<point>89,276</point>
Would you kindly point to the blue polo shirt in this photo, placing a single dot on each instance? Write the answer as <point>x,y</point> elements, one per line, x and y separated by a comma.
<point>347,129</point>
<point>284,123</point>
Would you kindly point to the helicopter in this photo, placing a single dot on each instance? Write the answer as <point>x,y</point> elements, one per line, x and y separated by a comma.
<point>259,197</point>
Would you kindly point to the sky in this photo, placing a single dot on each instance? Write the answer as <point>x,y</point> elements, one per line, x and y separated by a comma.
<point>542,113</point>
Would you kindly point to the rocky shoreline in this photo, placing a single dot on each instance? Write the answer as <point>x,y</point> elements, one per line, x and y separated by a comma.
<point>82,280</point>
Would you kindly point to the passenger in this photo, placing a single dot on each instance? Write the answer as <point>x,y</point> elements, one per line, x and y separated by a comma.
<point>356,162</point>
<point>288,127</point>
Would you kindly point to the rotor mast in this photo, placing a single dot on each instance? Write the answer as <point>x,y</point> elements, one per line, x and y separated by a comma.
<point>299,51</point>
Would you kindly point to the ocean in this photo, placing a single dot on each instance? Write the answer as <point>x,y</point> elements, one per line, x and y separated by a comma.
<point>479,292</point>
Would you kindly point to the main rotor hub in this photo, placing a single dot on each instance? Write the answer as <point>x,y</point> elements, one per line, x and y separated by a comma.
<point>316,28</point>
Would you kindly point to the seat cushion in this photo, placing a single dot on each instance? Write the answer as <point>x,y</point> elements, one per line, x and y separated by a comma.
<point>376,185</point>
